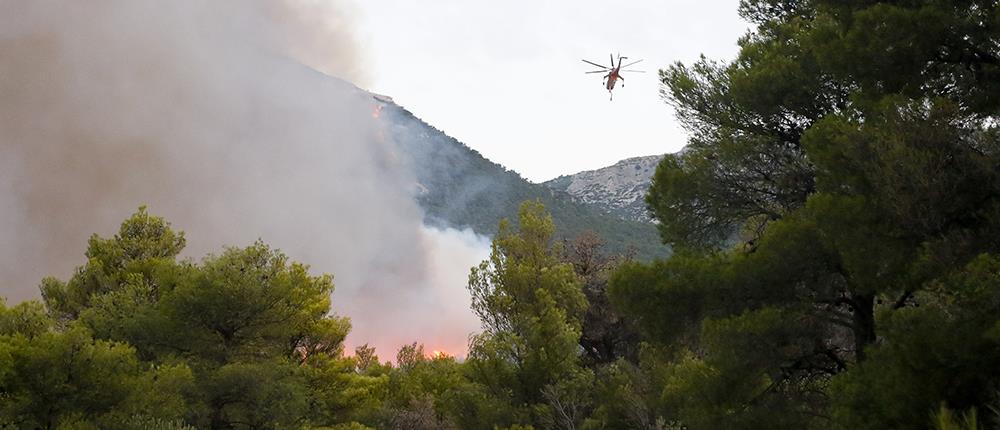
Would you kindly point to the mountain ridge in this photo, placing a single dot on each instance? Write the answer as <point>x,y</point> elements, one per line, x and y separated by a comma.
<point>460,188</point>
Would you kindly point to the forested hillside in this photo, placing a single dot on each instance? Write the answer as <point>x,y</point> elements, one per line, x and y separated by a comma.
<point>457,187</point>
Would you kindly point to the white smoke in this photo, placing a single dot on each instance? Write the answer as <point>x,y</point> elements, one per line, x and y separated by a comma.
<point>207,112</point>
<point>435,310</point>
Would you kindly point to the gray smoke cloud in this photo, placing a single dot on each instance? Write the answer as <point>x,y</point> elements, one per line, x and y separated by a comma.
<point>216,115</point>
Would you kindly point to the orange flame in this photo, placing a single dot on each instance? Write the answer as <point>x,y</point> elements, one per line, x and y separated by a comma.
<point>377,111</point>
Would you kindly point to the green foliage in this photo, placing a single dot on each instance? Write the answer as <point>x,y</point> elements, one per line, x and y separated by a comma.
<point>945,419</point>
<point>626,395</point>
<point>749,367</point>
<point>606,335</point>
<point>143,245</point>
<point>71,379</point>
<point>675,291</point>
<point>243,337</point>
<point>137,339</point>
<point>426,393</point>
<point>27,319</point>
<point>941,351</point>
<point>142,422</point>
<point>531,306</point>
<point>338,391</point>
<point>838,186</point>
<point>251,302</point>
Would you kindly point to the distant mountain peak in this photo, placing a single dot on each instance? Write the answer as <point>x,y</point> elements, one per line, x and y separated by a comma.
<point>617,190</point>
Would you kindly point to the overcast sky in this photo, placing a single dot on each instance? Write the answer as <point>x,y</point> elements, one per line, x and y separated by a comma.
<point>505,77</point>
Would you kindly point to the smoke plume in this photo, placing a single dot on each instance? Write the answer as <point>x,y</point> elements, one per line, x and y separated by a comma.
<point>215,115</point>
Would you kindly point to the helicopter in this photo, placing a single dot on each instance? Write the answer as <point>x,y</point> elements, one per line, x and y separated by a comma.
<point>613,72</point>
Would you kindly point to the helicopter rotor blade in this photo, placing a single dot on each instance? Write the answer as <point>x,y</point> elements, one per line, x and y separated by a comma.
<point>598,71</point>
<point>634,71</point>
<point>634,62</point>
<point>594,64</point>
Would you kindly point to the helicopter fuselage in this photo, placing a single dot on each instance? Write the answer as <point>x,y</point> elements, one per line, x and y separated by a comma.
<point>612,79</point>
<point>613,72</point>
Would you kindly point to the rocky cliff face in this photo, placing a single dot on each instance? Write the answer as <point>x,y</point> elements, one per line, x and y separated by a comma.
<point>617,190</point>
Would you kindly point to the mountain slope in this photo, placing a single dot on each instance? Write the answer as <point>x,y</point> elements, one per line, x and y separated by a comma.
<point>618,190</point>
<point>458,187</point>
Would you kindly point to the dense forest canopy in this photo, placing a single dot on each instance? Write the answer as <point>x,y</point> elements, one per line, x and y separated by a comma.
<point>835,221</point>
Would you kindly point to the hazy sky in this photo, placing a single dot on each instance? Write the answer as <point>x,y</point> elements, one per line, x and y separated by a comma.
<point>505,77</point>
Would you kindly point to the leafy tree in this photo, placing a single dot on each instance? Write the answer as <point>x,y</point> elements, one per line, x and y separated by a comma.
<point>56,379</point>
<point>531,306</point>
<point>627,395</point>
<point>341,392</point>
<point>942,352</point>
<point>143,245</point>
<point>606,334</point>
<point>366,361</point>
<point>419,415</point>
<point>252,302</point>
<point>28,319</point>
<point>251,329</point>
<point>842,166</point>
<point>426,392</point>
